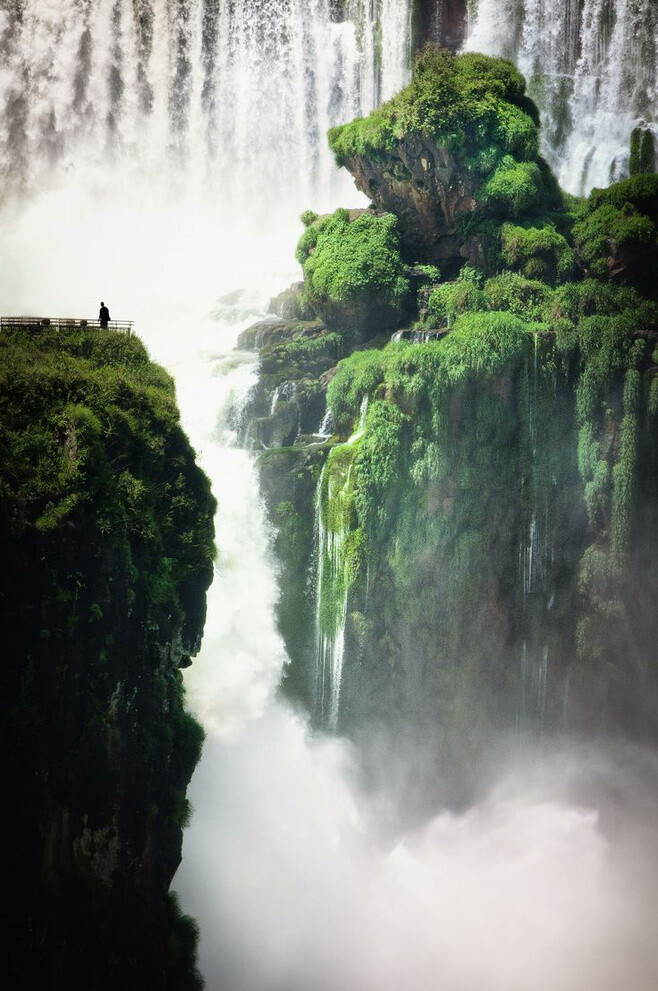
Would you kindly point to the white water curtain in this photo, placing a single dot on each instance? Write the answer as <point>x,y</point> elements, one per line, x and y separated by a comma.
<point>592,66</point>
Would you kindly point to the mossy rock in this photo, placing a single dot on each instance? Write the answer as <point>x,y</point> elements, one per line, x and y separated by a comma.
<point>450,299</point>
<point>277,430</point>
<point>461,140</point>
<point>643,152</point>
<point>617,238</point>
<point>354,276</point>
<point>275,330</point>
<point>537,252</point>
<point>292,304</point>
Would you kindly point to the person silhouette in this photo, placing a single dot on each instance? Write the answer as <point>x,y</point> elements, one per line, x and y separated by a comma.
<point>104,316</point>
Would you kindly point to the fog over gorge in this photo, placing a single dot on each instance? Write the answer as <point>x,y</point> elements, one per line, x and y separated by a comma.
<point>427,677</point>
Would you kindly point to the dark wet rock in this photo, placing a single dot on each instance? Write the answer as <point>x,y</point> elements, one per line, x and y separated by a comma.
<point>292,304</point>
<point>274,330</point>
<point>277,430</point>
<point>442,21</point>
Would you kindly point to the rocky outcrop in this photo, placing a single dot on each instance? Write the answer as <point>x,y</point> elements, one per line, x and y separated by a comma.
<point>617,237</point>
<point>354,276</point>
<point>106,536</point>
<point>428,191</point>
<point>488,497</point>
<point>288,401</point>
<point>452,156</point>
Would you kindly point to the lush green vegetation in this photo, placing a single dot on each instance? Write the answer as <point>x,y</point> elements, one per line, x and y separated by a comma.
<point>473,105</point>
<point>106,531</point>
<point>537,252</point>
<point>356,263</point>
<point>465,294</point>
<point>90,436</point>
<point>488,520</point>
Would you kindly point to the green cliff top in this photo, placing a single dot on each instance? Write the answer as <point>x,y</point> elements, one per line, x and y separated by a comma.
<point>473,105</point>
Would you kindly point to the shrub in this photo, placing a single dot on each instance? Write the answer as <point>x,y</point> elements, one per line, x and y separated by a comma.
<point>465,295</point>
<point>526,298</point>
<point>537,252</point>
<point>356,262</point>
<point>514,189</point>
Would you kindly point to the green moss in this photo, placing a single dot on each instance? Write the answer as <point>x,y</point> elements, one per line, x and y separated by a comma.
<point>378,467</point>
<point>449,300</point>
<point>515,189</point>
<point>353,262</point>
<point>575,300</point>
<point>341,547</point>
<point>652,406</point>
<point>337,494</point>
<point>430,273</point>
<point>302,359</point>
<point>620,220</point>
<point>625,470</point>
<point>525,298</point>
<point>356,377</point>
<point>464,102</point>
<point>90,431</point>
<point>643,152</point>
<point>608,228</point>
<point>640,191</point>
<point>537,252</point>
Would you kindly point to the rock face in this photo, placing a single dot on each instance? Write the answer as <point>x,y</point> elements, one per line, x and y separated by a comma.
<point>440,21</point>
<point>452,156</point>
<point>481,524</point>
<point>288,400</point>
<point>106,537</point>
<point>427,190</point>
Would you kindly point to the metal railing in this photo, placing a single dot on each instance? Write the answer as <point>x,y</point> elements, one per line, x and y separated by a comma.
<point>62,323</point>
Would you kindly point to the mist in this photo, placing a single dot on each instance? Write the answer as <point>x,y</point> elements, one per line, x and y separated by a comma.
<point>302,884</point>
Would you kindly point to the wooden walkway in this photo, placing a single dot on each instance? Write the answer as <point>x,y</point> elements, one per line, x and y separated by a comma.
<point>62,323</point>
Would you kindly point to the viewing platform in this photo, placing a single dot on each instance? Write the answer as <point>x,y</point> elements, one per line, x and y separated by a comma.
<point>62,323</point>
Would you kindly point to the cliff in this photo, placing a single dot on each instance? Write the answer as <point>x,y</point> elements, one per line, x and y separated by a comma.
<point>477,512</point>
<point>106,536</point>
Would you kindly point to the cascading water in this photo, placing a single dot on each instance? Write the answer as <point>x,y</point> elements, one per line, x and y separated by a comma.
<point>592,67</point>
<point>236,96</point>
<point>333,511</point>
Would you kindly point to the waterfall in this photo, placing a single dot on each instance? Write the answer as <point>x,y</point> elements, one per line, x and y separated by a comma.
<point>220,107</point>
<point>591,66</point>
<point>326,424</point>
<point>233,95</point>
<point>333,519</point>
<point>331,609</point>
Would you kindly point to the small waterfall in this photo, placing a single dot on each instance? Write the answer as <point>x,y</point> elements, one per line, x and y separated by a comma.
<point>327,424</point>
<point>361,423</point>
<point>333,524</point>
<point>592,67</point>
<point>331,606</point>
<point>287,392</point>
